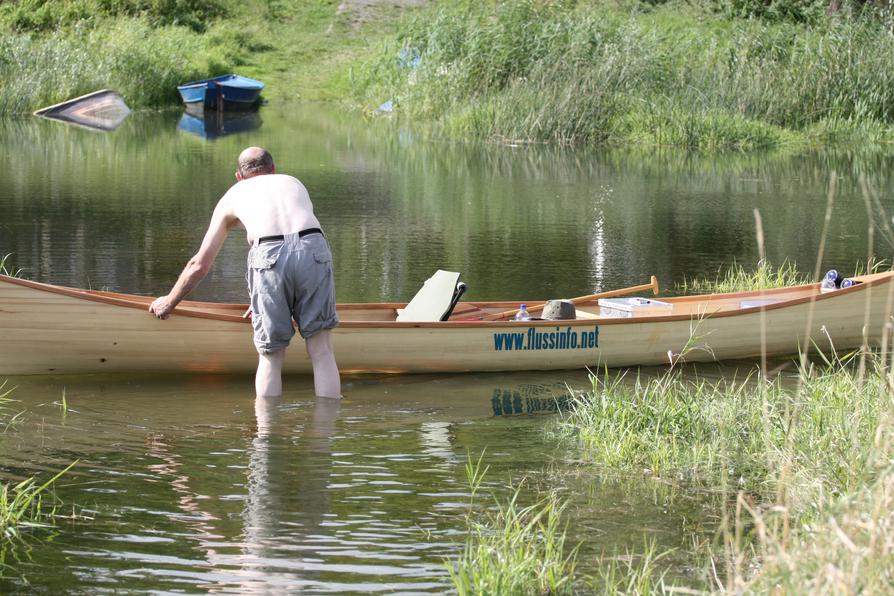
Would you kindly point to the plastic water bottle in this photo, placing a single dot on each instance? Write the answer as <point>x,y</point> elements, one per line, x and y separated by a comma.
<point>834,276</point>
<point>846,283</point>
<point>523,314</point>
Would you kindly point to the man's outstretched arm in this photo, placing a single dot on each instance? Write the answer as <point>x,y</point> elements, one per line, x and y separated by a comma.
<point>199,265</point>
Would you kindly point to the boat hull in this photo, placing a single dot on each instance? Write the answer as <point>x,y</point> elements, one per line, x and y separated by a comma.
<point>102,110</point>
<point>51,330</point>
<point>228,92</point>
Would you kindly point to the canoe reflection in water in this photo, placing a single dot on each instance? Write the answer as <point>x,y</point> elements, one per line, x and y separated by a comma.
<point>531,398</point>
<point>210,124</point>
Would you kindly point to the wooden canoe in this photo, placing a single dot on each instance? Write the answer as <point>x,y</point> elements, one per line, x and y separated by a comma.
<point>47,329</point>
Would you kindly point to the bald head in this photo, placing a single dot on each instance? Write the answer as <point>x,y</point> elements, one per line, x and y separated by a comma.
<point>255,161</point>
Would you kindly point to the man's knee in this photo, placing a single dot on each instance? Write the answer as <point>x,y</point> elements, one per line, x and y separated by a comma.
<point>319,345</point>
<point>271,359</point>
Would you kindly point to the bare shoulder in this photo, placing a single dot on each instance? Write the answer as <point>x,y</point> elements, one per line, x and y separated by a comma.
<point>226,204</point>
<point>286,180</point>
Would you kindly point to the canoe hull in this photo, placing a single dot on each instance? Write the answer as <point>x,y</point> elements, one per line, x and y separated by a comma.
<point>51,330</point>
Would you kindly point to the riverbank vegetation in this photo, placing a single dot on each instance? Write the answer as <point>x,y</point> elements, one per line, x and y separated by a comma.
<point>699,75</point>
<point>52,50</point>
<point>803,463</point>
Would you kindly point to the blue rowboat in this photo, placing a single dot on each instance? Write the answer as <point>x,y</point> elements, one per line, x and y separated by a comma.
<point>227,92</point>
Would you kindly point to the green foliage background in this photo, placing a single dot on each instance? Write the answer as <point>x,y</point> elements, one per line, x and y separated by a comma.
<point>705,74</point>
<point>673,74</point>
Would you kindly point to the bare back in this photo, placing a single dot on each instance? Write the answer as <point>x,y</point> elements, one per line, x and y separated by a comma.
<point>270,204</point>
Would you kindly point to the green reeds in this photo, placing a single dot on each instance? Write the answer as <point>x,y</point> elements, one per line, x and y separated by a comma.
<point>24,505</point>
<point>9,271</point>
<point>812,438</point>
<point>7,420</point>
<point>737,278</point>
<point>632,574</point>
<point>514,548</point>
<point>143,63</point>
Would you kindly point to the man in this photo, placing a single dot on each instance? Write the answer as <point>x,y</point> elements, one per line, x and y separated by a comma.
<point>289,270</point>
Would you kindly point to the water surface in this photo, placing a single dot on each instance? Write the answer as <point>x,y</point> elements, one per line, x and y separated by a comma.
<point>185,484</point>
<point>124,210</point>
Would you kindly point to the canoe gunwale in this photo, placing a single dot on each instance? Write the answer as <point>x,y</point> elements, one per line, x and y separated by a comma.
<point>194,308</point>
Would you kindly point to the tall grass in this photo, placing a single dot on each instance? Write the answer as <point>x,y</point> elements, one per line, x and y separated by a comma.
<point>514,548</point>
<point>737,278</point>
<point>142,62</point>
<point>851,551</point>
<point>825,430</point>
<point>52,50</point>
<point>632,574</point>
<point>27,504</point>
<point>583,72</point>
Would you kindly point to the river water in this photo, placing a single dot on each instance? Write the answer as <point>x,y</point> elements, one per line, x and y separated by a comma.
<point>186,484</point>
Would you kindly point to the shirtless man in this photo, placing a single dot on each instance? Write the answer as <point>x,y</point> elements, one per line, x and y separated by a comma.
<point>289,270</point>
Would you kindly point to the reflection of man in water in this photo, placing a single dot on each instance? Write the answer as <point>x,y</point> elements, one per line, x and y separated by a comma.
<point>288,488</point>
<point>289,270</point>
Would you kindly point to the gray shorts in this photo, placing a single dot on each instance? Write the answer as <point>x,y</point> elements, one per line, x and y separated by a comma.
<point>290,279</point>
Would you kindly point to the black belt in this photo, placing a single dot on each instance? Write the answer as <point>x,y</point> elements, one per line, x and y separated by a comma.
<point>280,237</point>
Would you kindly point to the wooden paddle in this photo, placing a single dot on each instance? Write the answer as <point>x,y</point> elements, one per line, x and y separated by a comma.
<point>653,285</point>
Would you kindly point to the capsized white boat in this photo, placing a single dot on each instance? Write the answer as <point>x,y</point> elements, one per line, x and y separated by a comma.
<point>47,329</point>
<point>102,110</point>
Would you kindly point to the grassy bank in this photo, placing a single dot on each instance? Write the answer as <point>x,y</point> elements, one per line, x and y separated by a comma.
<point>707,75</point>
<point>52,50</point>
<point>668,74</point>
<point>808,440</point>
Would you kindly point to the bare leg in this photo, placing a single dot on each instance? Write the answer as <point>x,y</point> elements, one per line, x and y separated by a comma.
<point>326,380</point>
<point>268,380</point>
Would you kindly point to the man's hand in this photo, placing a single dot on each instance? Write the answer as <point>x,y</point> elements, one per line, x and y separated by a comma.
<point>161,307</point>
